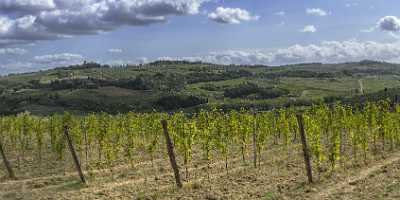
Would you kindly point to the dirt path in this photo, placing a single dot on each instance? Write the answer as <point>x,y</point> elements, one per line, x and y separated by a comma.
<point>73,173</point>
<point>109,184</point>
<point>244,182</point>
<point>349,184</point>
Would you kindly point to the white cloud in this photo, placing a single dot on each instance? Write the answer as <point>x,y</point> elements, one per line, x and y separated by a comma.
<point>115,51</point>
<point>35,20</point>
<point>354,4</point>
<point>394,36</point>
<point>231,15</point>
<point>26,6</point>
<point>368,30</point>
<point>42,62</point>
<point>325,52</point>
<point>12,51</point>
<point>281,13</point>
<point>16,67</point>
<point>316,12</point>
<point>24,28</point>
<point>62,59</point>
<point>141,60</point>
<point>309,29</point>
<point>389,23</point>
<point>282,23</point>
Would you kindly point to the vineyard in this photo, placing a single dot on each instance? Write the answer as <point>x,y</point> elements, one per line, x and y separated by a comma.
<point>337,137</point>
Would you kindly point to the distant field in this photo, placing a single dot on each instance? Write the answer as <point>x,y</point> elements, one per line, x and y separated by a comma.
<point>140,88</point>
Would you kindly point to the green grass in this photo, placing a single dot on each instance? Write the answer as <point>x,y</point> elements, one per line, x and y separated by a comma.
<point>271,196</point>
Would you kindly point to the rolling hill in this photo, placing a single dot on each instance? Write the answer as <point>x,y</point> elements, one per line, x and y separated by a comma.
<point>189,86</point>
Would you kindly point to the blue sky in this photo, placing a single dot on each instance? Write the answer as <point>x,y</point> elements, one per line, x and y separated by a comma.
<point>40,34</point>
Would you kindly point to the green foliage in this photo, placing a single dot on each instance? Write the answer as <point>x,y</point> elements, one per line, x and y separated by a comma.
<point>91,87</point>
<point>172,102</point>
<point>245,89</point>
<point>335,133</point>
<point>242,90</point>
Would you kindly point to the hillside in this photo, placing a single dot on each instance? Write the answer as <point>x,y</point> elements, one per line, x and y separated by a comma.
<point>350,153</point>
<point>176,85</point>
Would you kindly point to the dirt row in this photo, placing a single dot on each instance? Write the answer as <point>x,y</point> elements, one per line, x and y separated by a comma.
<point>281,175</point>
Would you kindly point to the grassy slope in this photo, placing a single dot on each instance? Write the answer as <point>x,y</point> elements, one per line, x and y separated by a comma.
<point>374,77</point>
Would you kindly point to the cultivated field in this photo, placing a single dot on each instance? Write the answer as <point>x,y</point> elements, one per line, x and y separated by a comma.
<point>234,155</point>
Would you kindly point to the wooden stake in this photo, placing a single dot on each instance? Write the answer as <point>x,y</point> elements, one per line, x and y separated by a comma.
<point>255,142</point>
<point>10,171</point>
<point>306,153</point>
<point>74,156</point>
<point>171,154</point>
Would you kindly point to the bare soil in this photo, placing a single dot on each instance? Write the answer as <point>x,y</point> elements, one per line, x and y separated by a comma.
<point>280,175</point>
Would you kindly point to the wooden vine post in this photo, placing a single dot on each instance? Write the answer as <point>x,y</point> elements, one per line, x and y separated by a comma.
<point>306,152</point>
<point>171,154</point>
<point>7,164</point>
<point>255,141</point>
<point>74,156</point>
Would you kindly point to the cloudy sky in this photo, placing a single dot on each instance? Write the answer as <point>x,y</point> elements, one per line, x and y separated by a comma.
<point>40,34</point>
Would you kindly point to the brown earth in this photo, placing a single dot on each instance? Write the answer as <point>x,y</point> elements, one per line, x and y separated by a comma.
<point>280,175</point>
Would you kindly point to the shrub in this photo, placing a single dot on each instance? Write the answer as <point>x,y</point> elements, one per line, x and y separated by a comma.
<point>270,93</point>
<point>172,102</point>
<point>242,90</point>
